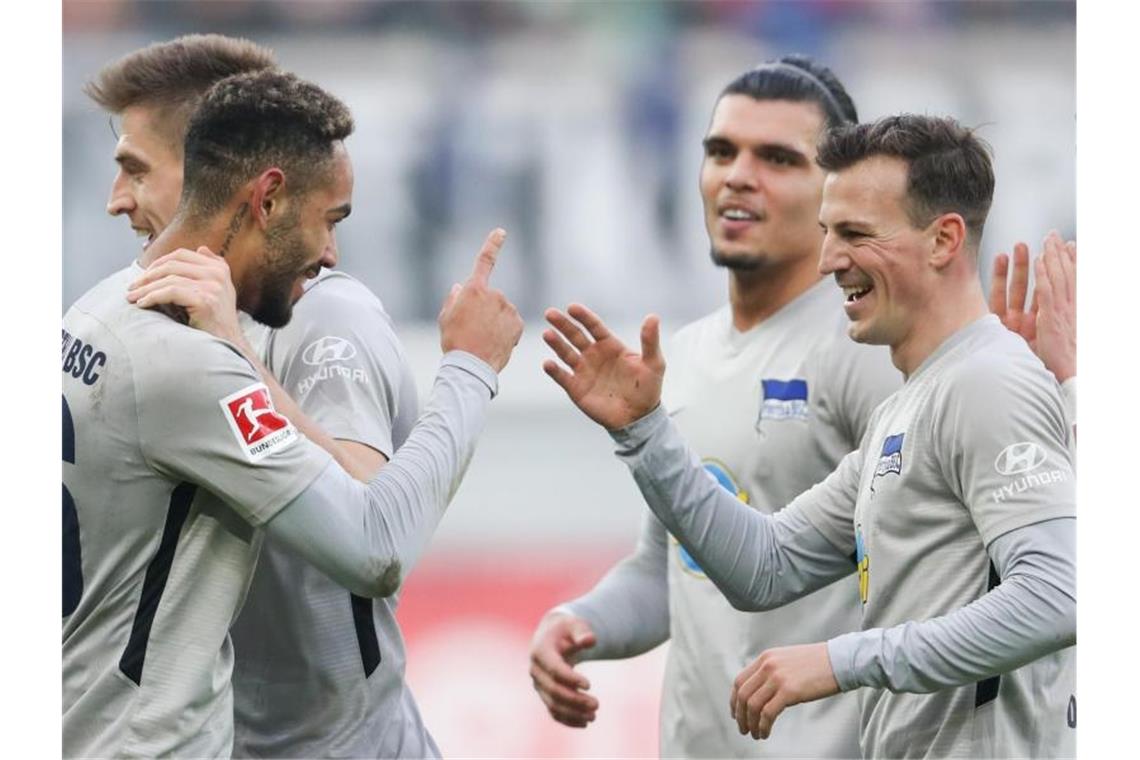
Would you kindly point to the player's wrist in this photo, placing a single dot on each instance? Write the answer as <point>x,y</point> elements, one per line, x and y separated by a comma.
<point>473,365</point>
<point>634,435</point>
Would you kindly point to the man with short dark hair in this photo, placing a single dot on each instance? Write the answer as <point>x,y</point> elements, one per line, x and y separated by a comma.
<point>332,661</point>
<point>176,451</point>
<point>772,395</point>
<point>957,509</point>
<point>154,91</point>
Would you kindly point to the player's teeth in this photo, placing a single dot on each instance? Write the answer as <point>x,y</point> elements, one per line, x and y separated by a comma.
<point>735,213</point>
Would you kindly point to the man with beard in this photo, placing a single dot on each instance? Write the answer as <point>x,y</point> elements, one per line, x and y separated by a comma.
<point>318,671</point>
<point>772,395</point>
<point>177,453</point>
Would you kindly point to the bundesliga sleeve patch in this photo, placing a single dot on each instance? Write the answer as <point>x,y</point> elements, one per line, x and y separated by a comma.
<point>259,429</point>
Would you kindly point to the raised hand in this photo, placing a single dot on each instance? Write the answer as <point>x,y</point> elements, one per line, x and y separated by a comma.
<point>1008,294</point>
<point>777,679</point>
<point>611,384</point>
<point>198,284</point>
<point>478,319</point>
<point>1056,297</point>
<point>557,641</point>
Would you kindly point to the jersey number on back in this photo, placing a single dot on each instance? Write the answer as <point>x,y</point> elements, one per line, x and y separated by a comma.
<point>72,559</point>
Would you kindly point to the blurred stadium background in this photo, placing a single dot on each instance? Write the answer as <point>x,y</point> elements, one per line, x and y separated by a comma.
<point>577,127</point>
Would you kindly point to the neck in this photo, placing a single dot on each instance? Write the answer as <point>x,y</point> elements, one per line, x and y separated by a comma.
<point>216,233</point>
<point>756,295</point>
<point>941,317</point>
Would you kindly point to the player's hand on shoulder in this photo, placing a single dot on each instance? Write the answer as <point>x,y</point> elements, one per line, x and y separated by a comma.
<point>477,318</point>
<point>780,678</point>
<point>610,383</point>
<point>198,282</point>
<point>554,648</point>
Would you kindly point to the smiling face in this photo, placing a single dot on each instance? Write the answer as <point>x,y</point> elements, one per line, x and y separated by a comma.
<point>879,258</point>
<point>760,184</point>
<point>148,184</point>
<point>297,243</point>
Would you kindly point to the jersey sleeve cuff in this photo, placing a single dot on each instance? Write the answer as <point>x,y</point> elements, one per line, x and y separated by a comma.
<point>852,658</point>
<point>635,435</point>
<point>473,365</point>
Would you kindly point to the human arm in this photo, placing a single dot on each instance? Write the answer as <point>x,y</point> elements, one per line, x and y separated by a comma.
<point>389,519</point>
<point>1031,613</point>
<point>474,318</point>
<point>756,560</point>
<point>624,615</point>
<point>366,536</point>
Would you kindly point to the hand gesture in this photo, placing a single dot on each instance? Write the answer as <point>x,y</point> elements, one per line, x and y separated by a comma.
<point>477,318</point>
<point>780,678</point>
<point>196,283</point>
<point>1011,310</point>
<point>611,384</point>
<point>1056,298</point>
<point>557,641</point>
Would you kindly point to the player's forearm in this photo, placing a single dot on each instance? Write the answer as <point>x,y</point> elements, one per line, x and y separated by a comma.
<point>628,609</point>
<point>367,536</point>
<point>757,561</point>
<point>1029,615</point>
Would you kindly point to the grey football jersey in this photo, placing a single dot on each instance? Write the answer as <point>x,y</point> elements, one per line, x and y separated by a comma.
<point>770,412</point>
<point>173,456</point>
<point>320,672</point>
<point>976,444</point>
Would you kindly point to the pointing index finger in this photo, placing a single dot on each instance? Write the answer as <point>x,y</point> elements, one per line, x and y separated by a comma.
<point>488,254</point>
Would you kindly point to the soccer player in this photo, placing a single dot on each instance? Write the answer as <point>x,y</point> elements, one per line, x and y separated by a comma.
<point>318,671</point>
<point>179,458</point>
<point>957,509</point>
<point>1050,324</point>
<point>771,394</point>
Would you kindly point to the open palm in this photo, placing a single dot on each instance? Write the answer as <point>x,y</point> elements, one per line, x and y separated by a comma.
<point>611,384</point>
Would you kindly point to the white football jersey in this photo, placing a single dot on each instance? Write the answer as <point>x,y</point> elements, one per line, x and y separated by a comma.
<point>173,457</point>
<point>771,412</point>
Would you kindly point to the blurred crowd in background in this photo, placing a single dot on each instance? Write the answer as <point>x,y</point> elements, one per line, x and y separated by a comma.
<point>576,126</point>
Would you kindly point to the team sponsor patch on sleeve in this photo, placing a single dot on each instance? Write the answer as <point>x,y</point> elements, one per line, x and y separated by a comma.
<point>259,428</point>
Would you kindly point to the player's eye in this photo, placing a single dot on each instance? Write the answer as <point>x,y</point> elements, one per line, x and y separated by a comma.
<point>719,150</point>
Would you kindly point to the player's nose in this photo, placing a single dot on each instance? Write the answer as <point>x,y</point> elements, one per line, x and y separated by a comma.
<point>833,256</point>
<point>121,200</point>
<point>330,256</point>
<point>742,174</point>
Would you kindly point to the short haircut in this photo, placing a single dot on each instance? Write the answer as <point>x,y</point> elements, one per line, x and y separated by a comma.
<point>949,169</point>
<point>801,79</point>
<point>173,76</point>
<point>252,122</point>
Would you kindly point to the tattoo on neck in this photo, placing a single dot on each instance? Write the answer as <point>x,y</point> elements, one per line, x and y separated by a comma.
<point>234,226</point>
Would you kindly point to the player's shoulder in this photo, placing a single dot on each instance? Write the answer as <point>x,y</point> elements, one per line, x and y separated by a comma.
<point>337,290</point>
<point>991,369</point>
<point>157,344</point>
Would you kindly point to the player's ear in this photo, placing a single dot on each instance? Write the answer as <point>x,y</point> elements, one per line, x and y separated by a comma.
<point>948,239</point>
<point>266,198</point>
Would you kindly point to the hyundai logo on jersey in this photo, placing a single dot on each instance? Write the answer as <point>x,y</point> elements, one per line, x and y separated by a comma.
<point>784,400</point>
<point>720,473</point>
